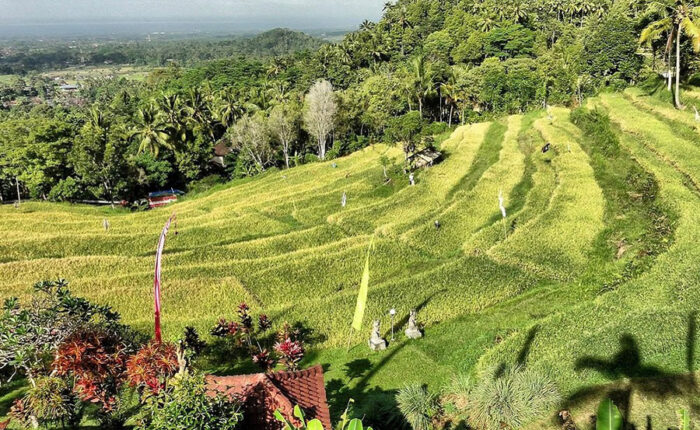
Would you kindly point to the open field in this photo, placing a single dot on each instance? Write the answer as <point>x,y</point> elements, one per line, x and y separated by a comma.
<point>591,277</point>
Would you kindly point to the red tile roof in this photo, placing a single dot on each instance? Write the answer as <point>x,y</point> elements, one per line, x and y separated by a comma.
<point>261,394</point>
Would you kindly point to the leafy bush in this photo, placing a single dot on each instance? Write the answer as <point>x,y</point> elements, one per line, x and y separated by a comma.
<point>418,406</point>
<point>66,190</point>
<point>48,401</point>
<point>96,360</point>
<point>434,128</point>
<point>151,367</point>
<point>596,124</point>
<point>185,405</point>
<point>511,400</point>
<point>30,334</point>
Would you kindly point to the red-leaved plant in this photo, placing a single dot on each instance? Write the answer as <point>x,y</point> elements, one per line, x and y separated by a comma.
<point>291,352</point>
<point>264,360</point>
<point>151,367</point>
<point>96,360</point>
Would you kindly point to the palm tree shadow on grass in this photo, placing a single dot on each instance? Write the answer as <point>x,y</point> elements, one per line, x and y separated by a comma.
<point>378,406</point>
<point>649,381</point>
<point>521,360</point>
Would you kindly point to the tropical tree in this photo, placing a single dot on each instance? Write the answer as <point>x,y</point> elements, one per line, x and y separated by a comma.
<point>421,82</point>
<point>198,109</point>
<point>172,114</point>
<point>680,16</point>
<point>228,108</point>
<point>150,132</point>
<point>251,137</point>
<point>283,124</point>
<point>99,156</point>
<point>659,29</point>
<point>319,114</point>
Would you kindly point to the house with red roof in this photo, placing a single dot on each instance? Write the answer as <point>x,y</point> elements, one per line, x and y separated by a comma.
<point>261,394</point>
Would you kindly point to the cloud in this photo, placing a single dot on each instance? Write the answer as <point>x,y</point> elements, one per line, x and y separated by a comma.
<point>274,10</point>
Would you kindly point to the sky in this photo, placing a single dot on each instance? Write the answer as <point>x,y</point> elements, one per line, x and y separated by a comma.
<point>246,15</point>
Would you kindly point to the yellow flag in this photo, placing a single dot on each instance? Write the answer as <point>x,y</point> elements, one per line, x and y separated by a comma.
<point>362,294</point>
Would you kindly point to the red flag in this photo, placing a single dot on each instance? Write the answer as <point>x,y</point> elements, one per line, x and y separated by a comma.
<point>156,280</point>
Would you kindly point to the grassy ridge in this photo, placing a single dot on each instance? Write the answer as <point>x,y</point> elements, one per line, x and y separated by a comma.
<point>583,246</point>
<point>563,233</point>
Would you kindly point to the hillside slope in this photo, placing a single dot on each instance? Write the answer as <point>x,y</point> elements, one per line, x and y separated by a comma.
<point>579,261</point>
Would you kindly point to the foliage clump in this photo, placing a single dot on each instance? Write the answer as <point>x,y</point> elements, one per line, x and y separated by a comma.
<point>187,405</point>
<point>418,406</point>
<point>508,399</point>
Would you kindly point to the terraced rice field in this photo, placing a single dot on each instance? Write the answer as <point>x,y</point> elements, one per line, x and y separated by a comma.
<point>569,273</point>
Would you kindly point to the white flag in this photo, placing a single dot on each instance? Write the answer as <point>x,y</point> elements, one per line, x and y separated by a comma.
<point>500,203</point>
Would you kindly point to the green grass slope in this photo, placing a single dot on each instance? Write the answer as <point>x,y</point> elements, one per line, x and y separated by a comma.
<point>597,249</point>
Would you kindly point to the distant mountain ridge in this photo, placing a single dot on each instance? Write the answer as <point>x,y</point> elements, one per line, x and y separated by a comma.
<point>278,42</point>
<point>157,50</point>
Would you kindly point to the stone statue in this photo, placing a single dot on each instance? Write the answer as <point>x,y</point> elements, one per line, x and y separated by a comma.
<point>413,332</point>
<point>376,342</point>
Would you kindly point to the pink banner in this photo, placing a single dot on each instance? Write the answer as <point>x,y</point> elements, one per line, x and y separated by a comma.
<point>156,280</point>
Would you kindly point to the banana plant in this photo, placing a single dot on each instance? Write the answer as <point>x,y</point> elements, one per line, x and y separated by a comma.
<point>345,423</point>
<point>683,420</point>
<point>298,413</point>
<point>609,417</point>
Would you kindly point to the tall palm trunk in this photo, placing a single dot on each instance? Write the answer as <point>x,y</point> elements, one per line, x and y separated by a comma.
<point>678,68</point>
<point>670,70</point>
<point>19,197</point>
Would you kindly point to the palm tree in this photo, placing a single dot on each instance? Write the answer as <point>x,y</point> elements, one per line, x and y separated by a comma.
<point>98,120</point>
<point>519,13</point>
<point>151,132</point>
<point>680,15</point>
<point>422,82</point>
<point>402,20</point>
<point>661,28</point>
<point>198,109</point>
<point>367,25</point>
<point>228,108</point>
<point>172,112</point>
<point>451,93</point>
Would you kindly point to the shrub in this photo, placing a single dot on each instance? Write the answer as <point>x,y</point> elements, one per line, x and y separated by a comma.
<point>434,128</point>
<point>96,360</point>
<point>291,352</point>
<point>596,125</point>
<point>30,334</point>
<point>191,341</point>
<point>151,367</point>
<point>205,184</point>
<point>311,158</point>
<point>48,401</point>
<point>418,406</point>
<point>185,405</point>
<point>66,190</point>
<point>511,400</point>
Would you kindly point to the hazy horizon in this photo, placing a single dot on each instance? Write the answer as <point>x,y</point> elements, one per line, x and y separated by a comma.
<point>31,18</point>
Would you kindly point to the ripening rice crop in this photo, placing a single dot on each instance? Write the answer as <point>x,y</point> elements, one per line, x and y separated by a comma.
<point>555,244</point>
<point>283,243</point>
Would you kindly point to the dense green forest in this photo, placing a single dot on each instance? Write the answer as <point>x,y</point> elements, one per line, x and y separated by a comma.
<point>424,67</point>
